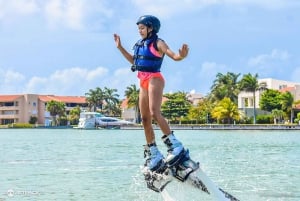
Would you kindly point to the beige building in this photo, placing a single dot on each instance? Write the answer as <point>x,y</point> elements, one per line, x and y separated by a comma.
<point>246,101</point>
<point>20,108</point>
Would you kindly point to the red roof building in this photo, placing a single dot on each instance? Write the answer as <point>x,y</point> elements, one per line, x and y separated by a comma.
<point>20,108</point>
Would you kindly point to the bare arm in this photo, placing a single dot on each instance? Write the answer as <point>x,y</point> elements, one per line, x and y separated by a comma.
<point>124,52</point>
<point>164,48</point>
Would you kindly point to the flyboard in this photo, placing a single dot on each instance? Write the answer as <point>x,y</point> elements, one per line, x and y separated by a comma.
<point>184,169</point>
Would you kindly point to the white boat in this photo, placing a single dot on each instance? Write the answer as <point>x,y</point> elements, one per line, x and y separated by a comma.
<point>94,120</point>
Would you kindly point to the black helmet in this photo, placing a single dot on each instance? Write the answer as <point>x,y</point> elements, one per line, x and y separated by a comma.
<point>150,21</point>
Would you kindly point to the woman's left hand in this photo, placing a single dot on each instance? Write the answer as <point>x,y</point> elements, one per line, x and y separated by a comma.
<point>183,51</point>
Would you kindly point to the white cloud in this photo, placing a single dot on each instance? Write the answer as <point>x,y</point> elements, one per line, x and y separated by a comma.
<point>13,8</point>
<point>76,14</point>
<point>70,81</point>
<point>96,74</point>
<point>10,77</point>
<point>11,81</point>
<point>67,81</point>
<point>73,14</point>
<point>69,13</point>
<point>275,55</point>
<point>35,84</point>
<point>166,8</point>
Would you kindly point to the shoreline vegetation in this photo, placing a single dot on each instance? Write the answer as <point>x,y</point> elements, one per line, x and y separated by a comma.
<point>175,127</point>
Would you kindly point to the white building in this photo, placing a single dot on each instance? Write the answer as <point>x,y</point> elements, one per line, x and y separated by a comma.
<point>246,102</point>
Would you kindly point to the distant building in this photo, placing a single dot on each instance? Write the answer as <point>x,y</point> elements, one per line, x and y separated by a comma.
<point>128,113</point>
<point>195,98</point>
<point>246,102</point>
<point>20,108</point>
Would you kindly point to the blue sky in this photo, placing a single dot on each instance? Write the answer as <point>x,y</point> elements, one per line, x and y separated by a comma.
<point>66,47</point>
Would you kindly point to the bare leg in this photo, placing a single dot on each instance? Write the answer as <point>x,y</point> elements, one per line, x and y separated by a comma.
<point>146,116</point>
<point>155,93</point>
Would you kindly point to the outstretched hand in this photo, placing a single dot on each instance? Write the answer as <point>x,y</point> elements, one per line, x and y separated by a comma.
<point>183,51</point>
<point>117,40</point>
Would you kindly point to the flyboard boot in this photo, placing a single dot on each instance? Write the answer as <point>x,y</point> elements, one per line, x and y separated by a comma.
<point>178,159</point>
<point>155,169</point>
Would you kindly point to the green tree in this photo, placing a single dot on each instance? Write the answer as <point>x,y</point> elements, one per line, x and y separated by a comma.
<point>297,120</point>
<point>201,112</point>
<point>292,112</point>
<point>56,109</point>
<point>132,94</point>
<point>287,100</point>
<point>95,99</point>
<point>226,111</point>
<point>270,100</point>
<point>176,106</point>
<point>33,119</point>
<point>74,115</point>
<point>225,86</point>
<point>265,119</point>
<point>277,115</point>
<point>112,101</point>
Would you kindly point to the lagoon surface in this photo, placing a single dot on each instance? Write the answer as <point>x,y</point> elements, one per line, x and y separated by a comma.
<point>67,164</point>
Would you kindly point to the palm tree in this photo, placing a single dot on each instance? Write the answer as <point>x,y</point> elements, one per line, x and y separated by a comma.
<point>225,86</point>
<point>111,99</point>
<point>287,100</point>
<point>55,108</point>
<point>132,94</point>
<point>277,114</point>
<point>249,83</point>
<point>91,99</point>
<point>95,98</point>
<point>74,115</point>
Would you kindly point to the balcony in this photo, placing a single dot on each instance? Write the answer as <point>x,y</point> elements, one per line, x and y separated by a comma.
<point>9,116</point>
<point>3,108</point>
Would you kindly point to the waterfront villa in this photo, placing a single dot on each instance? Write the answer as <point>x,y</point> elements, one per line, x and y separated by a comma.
<point>246,102</point>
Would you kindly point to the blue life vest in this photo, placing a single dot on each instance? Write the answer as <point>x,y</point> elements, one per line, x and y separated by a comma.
<point>143,59</point>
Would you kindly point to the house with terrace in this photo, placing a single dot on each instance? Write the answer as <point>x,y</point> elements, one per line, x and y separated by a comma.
<point>246,100</point>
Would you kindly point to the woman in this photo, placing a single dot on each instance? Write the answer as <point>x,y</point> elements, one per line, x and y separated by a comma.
<point>147,59</point>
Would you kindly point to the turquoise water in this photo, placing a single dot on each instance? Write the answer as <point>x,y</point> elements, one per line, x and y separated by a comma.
<point>42,164</point>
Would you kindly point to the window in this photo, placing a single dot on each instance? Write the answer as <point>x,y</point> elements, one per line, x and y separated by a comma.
<point>251,102</point>
<point>9,104</point>
<point>246,102</point>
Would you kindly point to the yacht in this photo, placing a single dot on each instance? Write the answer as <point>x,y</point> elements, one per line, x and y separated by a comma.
<point>96,120</point>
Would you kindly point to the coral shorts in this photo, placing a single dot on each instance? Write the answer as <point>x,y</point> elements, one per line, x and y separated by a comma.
<point>145,78</point>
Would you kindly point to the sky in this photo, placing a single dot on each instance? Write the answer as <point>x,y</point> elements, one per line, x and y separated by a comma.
<point>66,47</point>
